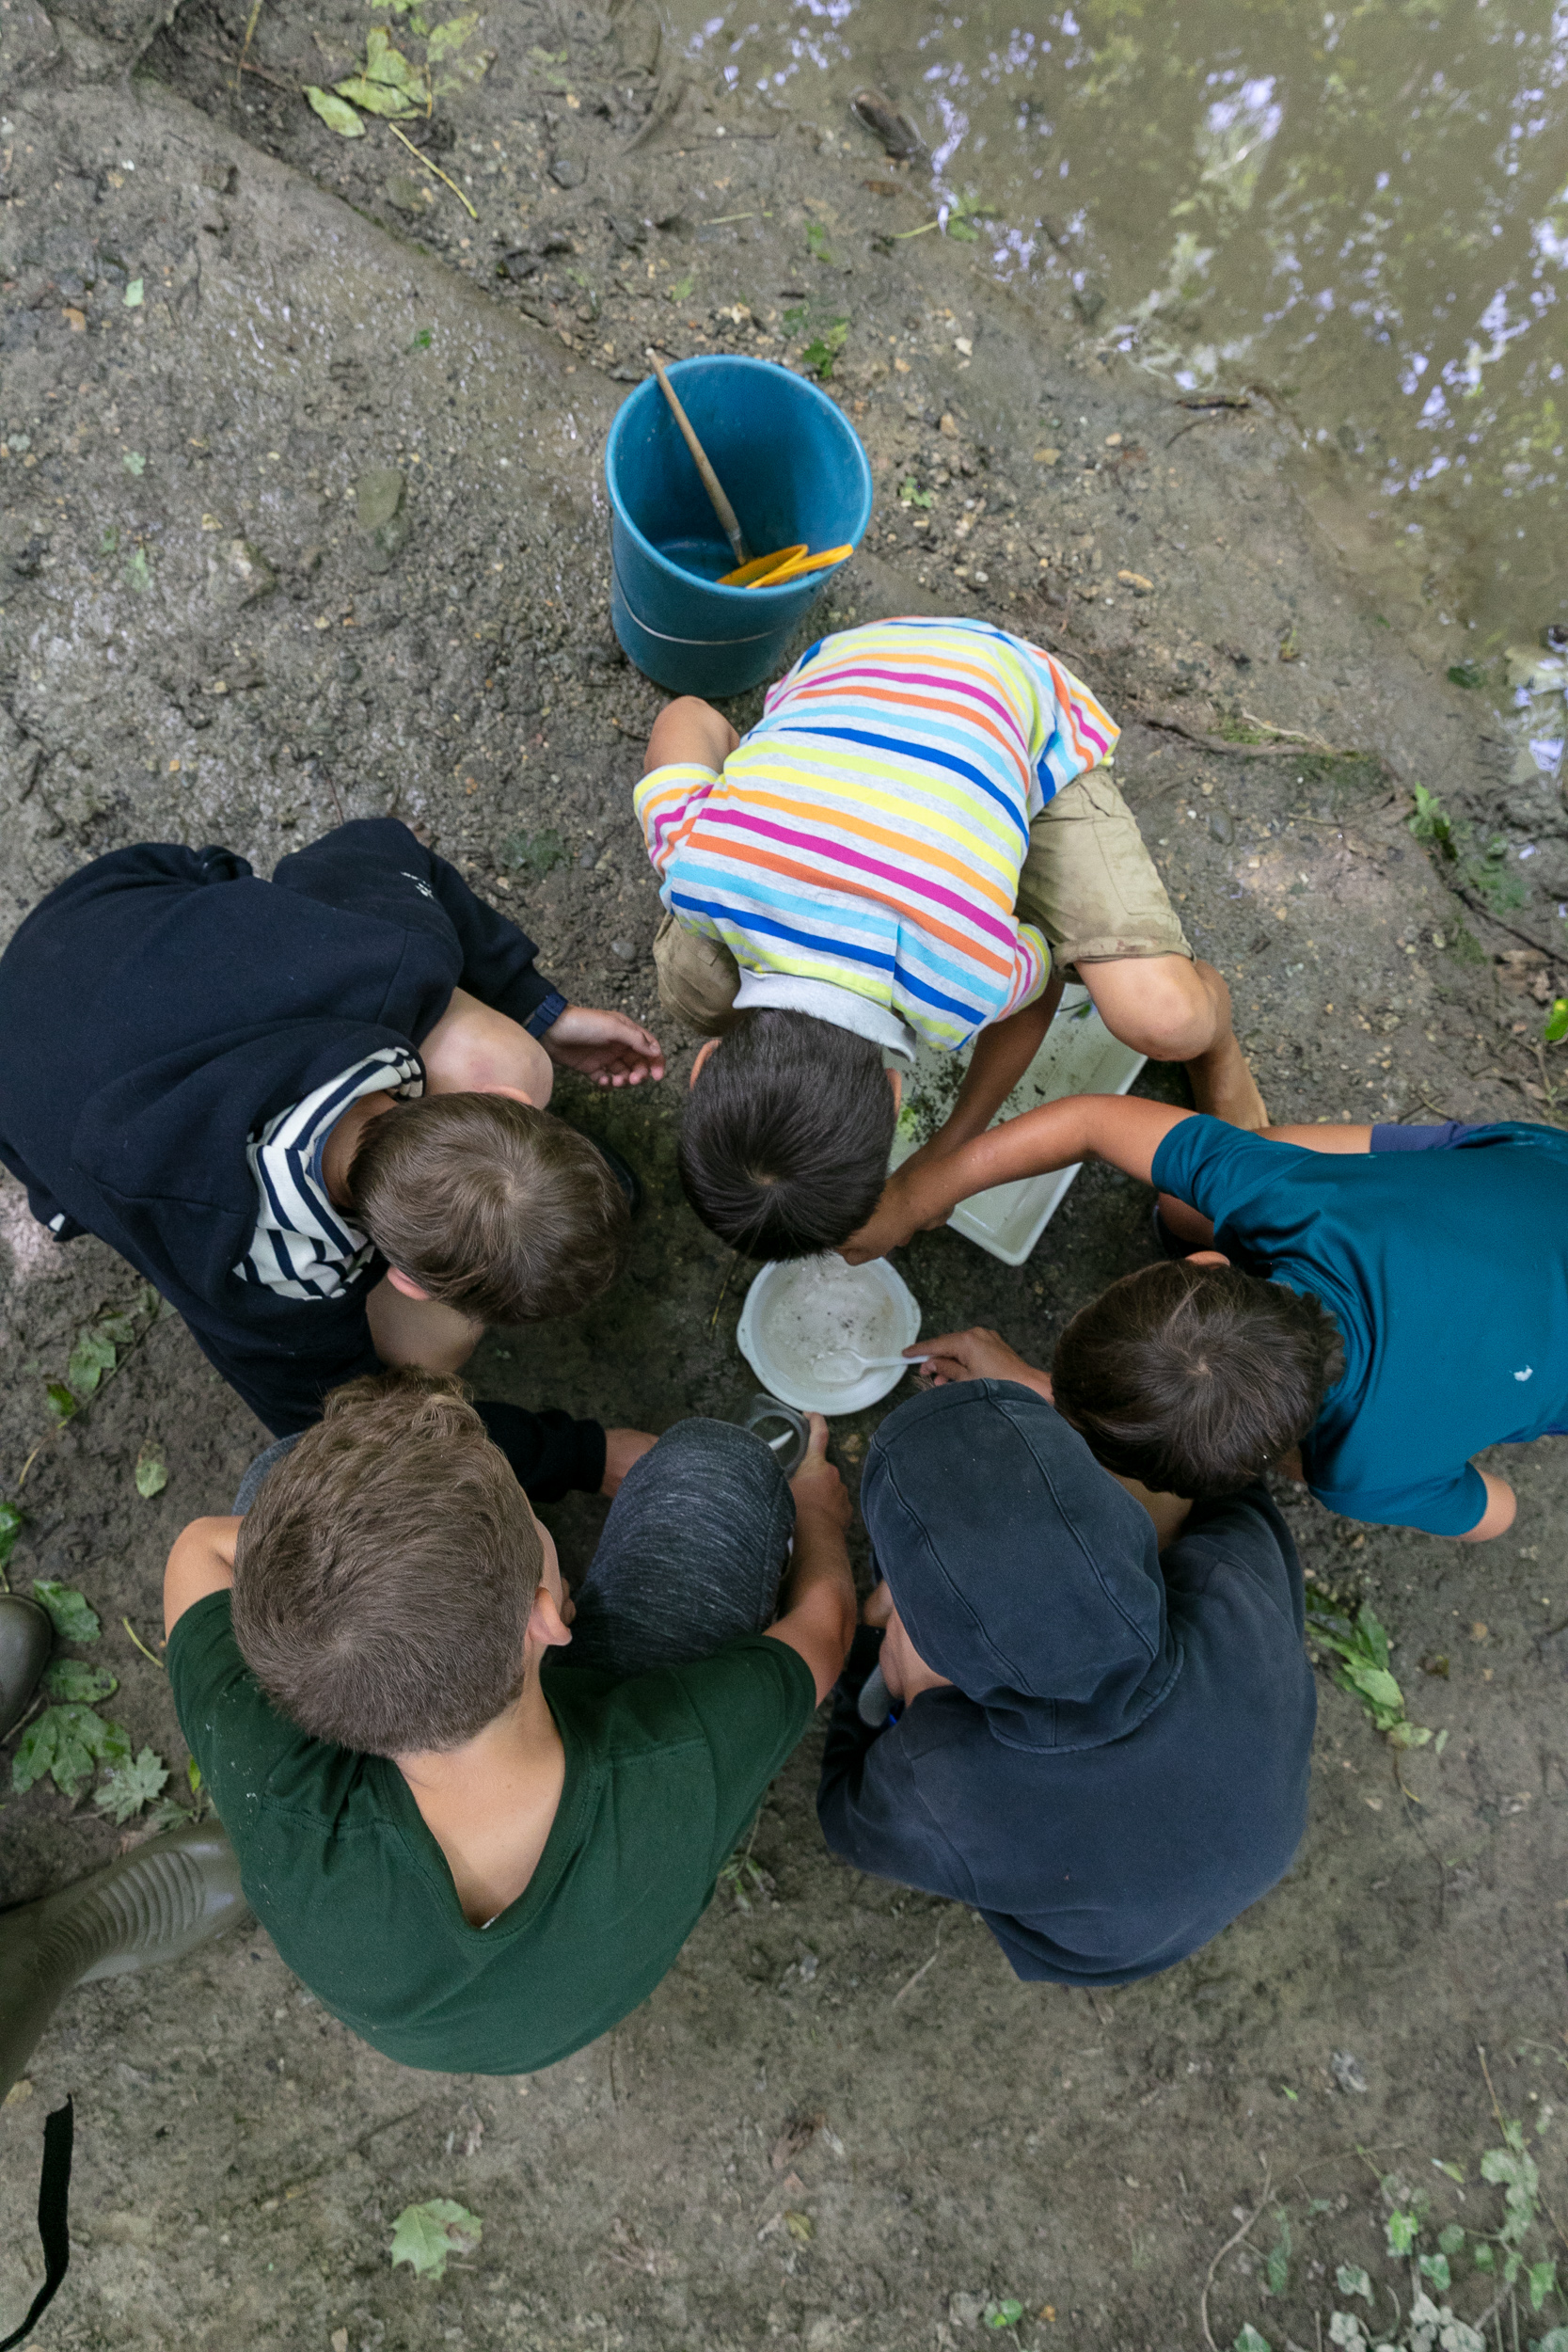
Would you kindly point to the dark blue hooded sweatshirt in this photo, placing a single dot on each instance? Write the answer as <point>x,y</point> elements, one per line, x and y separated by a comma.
<point>1122,1764</point>
<point>163,1003</point>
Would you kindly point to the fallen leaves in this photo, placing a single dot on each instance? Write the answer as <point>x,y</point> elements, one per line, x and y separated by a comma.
<point>67,1744</point>
<point>138,1782</point>
<point>425,2236</point>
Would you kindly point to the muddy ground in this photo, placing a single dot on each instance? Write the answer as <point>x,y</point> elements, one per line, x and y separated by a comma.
<point>303,520</point>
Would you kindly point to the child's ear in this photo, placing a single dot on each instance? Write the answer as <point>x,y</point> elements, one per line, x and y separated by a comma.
<point>703,1054</point>
<point>896,1081</point>
<point>406,1283</point>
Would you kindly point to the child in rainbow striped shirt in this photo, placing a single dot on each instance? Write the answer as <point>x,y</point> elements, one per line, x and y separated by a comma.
<point>917,840</point>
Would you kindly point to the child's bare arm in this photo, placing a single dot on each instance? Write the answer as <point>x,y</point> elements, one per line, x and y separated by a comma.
<point>203,1562</point>
<point>689,729</point>
<point>1001,1055</point>
<point>1321,1138</point>
<point>1123,1132</point>
<point>1498,1518</point>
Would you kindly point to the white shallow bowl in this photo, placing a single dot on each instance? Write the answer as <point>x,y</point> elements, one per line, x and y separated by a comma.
<point>1079,1057</point>
<point>767,1296</point>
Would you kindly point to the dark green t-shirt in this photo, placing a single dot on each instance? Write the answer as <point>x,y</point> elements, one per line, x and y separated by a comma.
<point>663,1773</point>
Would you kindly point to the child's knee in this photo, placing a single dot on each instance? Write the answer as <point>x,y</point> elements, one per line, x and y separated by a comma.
<point>1157,1004</point>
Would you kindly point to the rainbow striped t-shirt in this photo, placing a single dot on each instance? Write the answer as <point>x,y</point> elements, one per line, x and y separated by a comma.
<point>870,829</point>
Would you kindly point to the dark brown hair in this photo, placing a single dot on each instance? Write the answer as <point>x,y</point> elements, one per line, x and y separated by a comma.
<point>490,1205</point>
<point>785,1144</point>
<point>385,1572</point>
<point>1196,1378</point>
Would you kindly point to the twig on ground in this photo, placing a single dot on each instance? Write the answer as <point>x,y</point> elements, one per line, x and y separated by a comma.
<point>911,1982</point>
<point>244,45</point>
<point>1234,2239</point>
<point>1219,742</point>
<point>435,168</point>
<point>147,1654</point>
<point>1292,735</point>
<point>225,56</point>
<point>735,1260</point>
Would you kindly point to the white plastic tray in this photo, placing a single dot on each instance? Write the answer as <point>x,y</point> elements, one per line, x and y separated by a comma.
<point>1079,1057</point>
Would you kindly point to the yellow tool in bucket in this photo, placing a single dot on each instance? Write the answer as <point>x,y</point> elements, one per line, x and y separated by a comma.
<point>785,564</point>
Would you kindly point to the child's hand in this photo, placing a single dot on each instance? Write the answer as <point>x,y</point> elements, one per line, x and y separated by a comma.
<point>978,1355</point>
<point>816,1484</point>
<point>689,730</point>
<point>604,1046</point>
<point>621,1448</point>
<point>896,1215</point>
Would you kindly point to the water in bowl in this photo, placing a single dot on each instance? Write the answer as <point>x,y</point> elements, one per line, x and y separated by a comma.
<point>823,1315</point>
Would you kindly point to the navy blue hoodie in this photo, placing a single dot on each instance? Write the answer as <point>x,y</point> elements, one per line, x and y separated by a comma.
<point>1122,1764</point>
<point>163,1003</point>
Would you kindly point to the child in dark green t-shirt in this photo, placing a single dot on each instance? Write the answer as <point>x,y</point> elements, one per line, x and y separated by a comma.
<point>478,1831</point>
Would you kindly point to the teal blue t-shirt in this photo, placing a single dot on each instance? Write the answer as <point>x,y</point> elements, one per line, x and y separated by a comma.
<point>1447,1273</point>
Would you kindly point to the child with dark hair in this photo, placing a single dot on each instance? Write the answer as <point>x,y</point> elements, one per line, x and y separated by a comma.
<point>916,842</point>
<point>314,1112</point>
<point>1380,1304</point>
<point>477,1822</point>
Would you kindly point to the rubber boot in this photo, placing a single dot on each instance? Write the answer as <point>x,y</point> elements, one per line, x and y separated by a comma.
<point>26,1638</point>
<point>157,1903</point>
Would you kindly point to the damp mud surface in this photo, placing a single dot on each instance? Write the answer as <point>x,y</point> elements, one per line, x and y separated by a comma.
<point>303,520</point>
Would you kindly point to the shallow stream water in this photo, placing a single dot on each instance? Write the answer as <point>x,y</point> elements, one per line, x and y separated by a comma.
<point>1361,211</point>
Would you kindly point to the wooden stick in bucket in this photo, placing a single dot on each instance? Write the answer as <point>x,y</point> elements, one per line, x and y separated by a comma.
<point>711,483</point>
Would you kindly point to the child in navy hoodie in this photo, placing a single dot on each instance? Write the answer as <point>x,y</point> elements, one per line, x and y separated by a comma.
<point>1104,1748</point>
<point>312,1111</point>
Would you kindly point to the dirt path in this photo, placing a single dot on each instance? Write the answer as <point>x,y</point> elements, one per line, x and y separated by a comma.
<point>303,518</point>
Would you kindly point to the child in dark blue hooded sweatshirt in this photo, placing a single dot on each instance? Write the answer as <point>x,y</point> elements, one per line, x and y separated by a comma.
<point>311,1112</point>
<point>1103,1749</point>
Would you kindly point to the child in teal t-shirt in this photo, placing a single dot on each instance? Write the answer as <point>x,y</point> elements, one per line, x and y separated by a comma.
<point>1438,1252</point>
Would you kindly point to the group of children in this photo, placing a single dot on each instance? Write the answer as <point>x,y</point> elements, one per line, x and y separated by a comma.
<point>480,1815</point>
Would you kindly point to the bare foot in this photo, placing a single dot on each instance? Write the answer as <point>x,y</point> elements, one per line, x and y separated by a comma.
<point>1224,1086</point>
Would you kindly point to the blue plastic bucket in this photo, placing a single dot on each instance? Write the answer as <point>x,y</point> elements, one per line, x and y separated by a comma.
<point>794,470</point>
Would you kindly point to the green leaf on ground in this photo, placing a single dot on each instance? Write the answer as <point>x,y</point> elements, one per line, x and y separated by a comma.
<point>12,1523</point>
<point>167,1814</point>
<point>1352,2279</point>
<point>59,1400</point>
<point>1483,2257</point>
<point>1556,1022</point>
<point>138,571</point>
<point>335,113</point>
<point>1401,2231</point>
<point>1277,2263</point>
<point>1543,2281</point>
<point>134,462</point>
<point>424,2236</point>
<point>122,1793</point>
<point>1007,2312</point>
<point>911,493</point>
<point>822,351</point>
<point>680,290</point>
<point>74,1620</point>
<point>77,1684</point>
<point>1450,2238</point>
<point>443,47</point>
<point>378,98</point>
<point>1467,673</point>
<point>536,855</point>
<point>801,2228</point>
<point>816,242</point>
<point>152,1476</point>
<point>1435,2267</point>
<point>133,294</point>
<point>90,1359</point>
<point>193,1773</point>
<point>1249,2340</point>
<point>67,1743</point>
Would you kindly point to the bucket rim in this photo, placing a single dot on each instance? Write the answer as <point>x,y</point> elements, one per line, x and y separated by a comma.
<point>752,596</point>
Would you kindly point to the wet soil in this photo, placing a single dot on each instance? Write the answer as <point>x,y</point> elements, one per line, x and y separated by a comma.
<point>303,520</point>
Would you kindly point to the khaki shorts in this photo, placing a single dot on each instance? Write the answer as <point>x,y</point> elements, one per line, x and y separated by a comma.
<point>1089,881</point>
<point>698,979</point>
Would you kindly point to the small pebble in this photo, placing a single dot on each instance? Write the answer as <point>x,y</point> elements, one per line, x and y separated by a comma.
<point>624,948</point>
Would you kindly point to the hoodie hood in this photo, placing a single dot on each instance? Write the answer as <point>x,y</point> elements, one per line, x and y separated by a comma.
<point>1022,1570</point>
